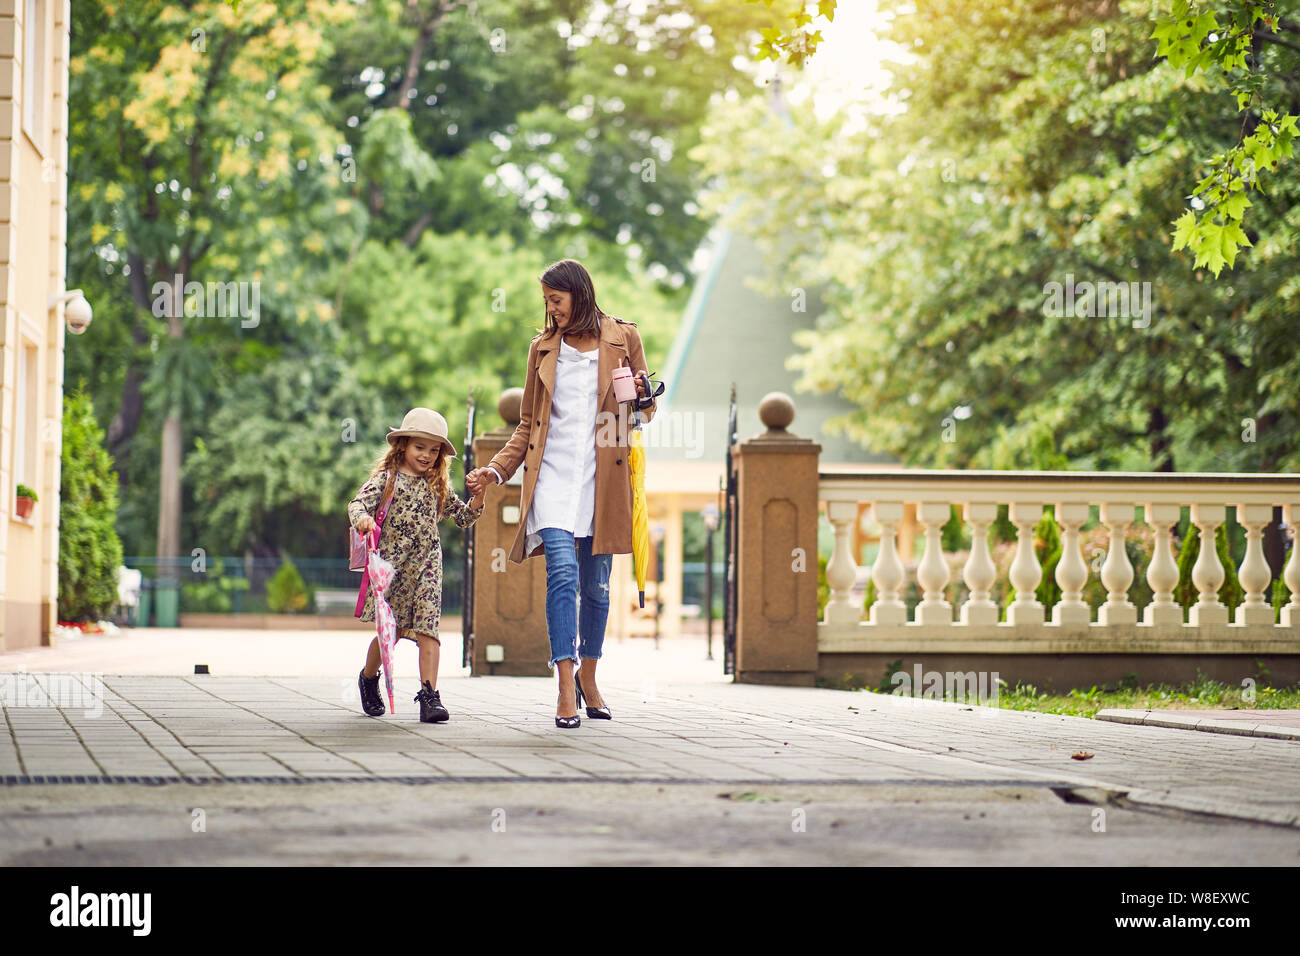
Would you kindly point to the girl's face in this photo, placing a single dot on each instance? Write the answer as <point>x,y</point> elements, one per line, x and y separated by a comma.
<point>557,305</point>
<point>422,454</point>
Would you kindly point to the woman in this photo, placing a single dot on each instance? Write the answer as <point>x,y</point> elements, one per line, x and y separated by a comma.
<point>577,494</point>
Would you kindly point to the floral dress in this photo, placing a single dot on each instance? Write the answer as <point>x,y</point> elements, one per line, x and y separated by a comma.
<point>409,541</point>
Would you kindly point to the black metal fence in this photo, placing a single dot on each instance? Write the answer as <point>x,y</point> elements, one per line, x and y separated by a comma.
<point>233,585</point>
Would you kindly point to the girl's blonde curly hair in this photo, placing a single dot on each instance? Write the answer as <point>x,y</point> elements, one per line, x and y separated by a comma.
<point>438,476</point>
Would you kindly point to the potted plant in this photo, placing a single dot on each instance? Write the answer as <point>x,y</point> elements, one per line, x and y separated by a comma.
<point>26,500</point>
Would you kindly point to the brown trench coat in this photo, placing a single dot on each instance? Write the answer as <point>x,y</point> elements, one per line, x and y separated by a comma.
<point>620,344</point>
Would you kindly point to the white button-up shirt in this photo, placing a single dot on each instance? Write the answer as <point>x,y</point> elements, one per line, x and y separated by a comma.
<point>565,494</point>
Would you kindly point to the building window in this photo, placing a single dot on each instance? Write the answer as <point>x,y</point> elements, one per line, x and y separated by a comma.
<point>25,424</point>
<point>35,83</point>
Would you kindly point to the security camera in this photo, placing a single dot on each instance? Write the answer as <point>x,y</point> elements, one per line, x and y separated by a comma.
<point>78,314</point>
<point>77,311</point>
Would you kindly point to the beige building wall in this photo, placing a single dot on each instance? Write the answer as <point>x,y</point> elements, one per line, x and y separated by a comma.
<point>34,41</point>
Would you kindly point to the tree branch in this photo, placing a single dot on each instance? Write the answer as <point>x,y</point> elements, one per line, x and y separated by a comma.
<point>1274,40</point>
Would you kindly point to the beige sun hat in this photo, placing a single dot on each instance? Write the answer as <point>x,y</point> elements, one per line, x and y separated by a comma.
<point>426,423</point>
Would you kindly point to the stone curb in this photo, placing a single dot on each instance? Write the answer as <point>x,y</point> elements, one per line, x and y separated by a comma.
<point>1162,799</point>
<point>1149,718</point>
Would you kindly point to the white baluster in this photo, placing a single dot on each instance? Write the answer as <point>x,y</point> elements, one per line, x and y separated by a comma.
<point>1162,575</point>
<point>1207,572</point>
<point>1117,571</point>
<point>1291,573</point>
<point>1026,572</point>
<point>887,573</point>
<point>932,574</point>
<point>1254,574</point>
<point>979,571</point>
<point>1071,573</point>
<point>841,569</point>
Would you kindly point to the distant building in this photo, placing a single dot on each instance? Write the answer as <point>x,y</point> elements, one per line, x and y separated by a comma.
<point>34,37</point>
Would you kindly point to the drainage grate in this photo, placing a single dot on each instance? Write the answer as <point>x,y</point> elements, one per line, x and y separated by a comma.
<point>159,781</point>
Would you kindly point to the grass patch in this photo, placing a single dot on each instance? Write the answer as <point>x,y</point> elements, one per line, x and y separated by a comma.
<point>1128,694</point>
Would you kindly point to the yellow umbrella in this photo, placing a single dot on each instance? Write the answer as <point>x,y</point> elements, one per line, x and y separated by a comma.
<point>640,529</point>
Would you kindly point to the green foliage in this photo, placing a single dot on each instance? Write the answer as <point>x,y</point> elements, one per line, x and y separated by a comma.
<point>213,592</point>
<point>823,588</point>
<point>887,684</point>
<point>286,449</point>
<point>23,491</point>
<point>1185,592</point>
<point>954,536</point>
<point>1047,546</point>
<point>1039,147</point>
<point>1227,38</point>
<point>287,591</point>
<point>90,552</point>
<point>378,217</point>
<point>798,43</point>
<point>391,154</point>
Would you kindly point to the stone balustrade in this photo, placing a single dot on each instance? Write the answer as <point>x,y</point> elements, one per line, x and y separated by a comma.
<point>1123,501</point>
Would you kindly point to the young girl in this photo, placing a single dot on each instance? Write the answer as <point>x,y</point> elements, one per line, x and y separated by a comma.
<point>413,477</point>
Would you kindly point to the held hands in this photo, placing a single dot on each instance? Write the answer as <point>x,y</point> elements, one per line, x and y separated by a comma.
<point>478,480</point>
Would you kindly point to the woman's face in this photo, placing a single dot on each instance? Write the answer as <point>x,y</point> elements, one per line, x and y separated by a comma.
<point>557,305</point>
<point>422,454</point>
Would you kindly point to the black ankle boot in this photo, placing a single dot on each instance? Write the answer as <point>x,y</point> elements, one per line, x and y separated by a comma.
<point>371,702</point>
<point>431,709</point>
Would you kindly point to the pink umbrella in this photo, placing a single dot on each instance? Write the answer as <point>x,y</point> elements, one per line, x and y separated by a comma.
<point>381,573</point>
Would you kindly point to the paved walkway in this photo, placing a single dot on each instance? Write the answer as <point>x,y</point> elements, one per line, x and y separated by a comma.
<point>310,728</point>
<point>682,737</point>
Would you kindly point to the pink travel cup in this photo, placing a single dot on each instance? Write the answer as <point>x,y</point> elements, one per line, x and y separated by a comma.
<point>624,384</point>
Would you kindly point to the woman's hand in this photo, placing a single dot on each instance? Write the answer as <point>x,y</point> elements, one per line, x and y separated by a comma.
<point>365,525</point>
<point>641,387</point>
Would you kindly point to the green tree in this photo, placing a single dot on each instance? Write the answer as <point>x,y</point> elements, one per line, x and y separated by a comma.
<point>202,155</point>
<point>287,592</point>
<point>1032,149</point>
<point>90,552</point>
<point>288,447</point>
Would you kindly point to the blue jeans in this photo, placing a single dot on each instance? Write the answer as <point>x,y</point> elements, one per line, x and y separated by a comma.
<point>571,570</point>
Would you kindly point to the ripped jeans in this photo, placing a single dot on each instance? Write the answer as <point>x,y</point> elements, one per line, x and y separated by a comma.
<point>575,628</point>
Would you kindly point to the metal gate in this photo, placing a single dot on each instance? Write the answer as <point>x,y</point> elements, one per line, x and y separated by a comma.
<point>467,579</point>
<point>731,536</point>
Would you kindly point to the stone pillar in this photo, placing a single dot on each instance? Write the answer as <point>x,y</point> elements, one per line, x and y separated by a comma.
<point>776,619</point>
<point>509,599</point>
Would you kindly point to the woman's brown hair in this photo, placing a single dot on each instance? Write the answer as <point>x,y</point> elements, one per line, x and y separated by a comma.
<point>568,275</point>
<point>438,476</point>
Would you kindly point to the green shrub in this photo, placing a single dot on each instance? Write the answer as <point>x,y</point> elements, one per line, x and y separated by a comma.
<point>90,552</point>
<point>22,491</point>
<point>1047,546</point>
<point>1185,593</point>
<point>823,589</point>
<point>287,591</point>
<point>1047,549</point>
<point>213,592</point>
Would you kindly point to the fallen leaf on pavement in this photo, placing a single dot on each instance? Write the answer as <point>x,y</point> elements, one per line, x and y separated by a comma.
<point>1081,755</point>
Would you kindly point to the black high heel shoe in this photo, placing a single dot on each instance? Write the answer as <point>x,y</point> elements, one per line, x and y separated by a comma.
<point>568,723</point>
<point>595,713</point>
